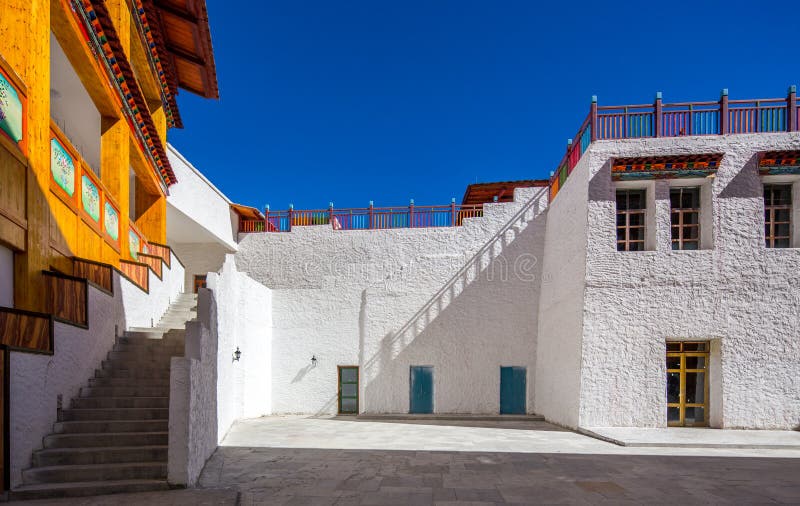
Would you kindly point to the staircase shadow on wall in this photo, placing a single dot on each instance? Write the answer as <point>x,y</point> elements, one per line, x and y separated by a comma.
<point>487,309</point>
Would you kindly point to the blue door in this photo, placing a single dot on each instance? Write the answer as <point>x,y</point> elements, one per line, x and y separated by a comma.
<point>421,389</point>
<point>512,390</point>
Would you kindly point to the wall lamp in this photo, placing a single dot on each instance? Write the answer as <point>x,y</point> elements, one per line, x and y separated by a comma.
<point>237,354</point>
<point>313,361</point>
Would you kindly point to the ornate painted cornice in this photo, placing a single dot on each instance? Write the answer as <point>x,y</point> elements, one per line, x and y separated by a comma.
<point>665,167</point>
<point>104,42</point>
<point>776,163</point>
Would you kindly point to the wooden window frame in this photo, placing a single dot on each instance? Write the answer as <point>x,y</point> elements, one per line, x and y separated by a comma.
<point>677,219</point>
<point>625,244</point>
<point>679,350</point>
<point>770,223</point>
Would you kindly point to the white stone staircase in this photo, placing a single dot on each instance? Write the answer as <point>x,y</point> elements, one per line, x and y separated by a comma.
<point>114,436</point>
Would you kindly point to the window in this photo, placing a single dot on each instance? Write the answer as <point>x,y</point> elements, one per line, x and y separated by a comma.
<point>630,220</point>
<point>777,215</point>
<point>685,215</point>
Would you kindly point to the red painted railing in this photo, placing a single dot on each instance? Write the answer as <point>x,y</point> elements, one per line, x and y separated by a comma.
<point>364,218</point>
<point>675,120</point>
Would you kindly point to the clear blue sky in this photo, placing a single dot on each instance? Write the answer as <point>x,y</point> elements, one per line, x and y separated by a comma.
<point>388,100</point>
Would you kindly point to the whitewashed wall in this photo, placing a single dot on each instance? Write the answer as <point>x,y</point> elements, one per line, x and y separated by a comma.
<point>461,299</point>
<point>199,259</point>
<point>193,428</point>
<point>208,389</point>
<point>560,305</point>
<point>740,295</point>
<point>36,381</point>
<point>145,309</point>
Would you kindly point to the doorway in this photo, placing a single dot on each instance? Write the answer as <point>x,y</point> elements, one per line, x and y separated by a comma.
<point>512,390</point>
<point>421,394</point>
<point>687,384</point>
<point>348,390</point>
<point>199,282</point>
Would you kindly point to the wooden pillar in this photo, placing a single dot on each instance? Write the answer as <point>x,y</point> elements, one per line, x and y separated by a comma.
<point>151,216</point>
<point>791,109</point>
<point>657,115</point>
<point>723,112</point>
<point>25,44</point>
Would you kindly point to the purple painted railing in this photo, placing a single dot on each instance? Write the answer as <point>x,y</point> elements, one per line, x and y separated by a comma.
<point>674,120</point>
<point>364,218</point>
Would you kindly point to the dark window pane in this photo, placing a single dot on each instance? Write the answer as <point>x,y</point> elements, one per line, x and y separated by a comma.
<point>349,390</point>
<point>691,218</point>
<point>694,346</point>
<point>695,362</point>
<point>349,405</point>
<point>673,387</point>
<point>781,243</point>
<point>349,375</point>
<point>620,220</point>
<point>692,232</point>
<point>782,230</point>
<point>674,362</point>
<point>673,415</point>
<point>636,219</point>
<point>782,215</point>
<point>673,346</point>
<point>621,246</point>
<point>694,415</point>
<point>636,234</point>
<point>636,246</point>
<point>621,234</point>
<point>691,245</point>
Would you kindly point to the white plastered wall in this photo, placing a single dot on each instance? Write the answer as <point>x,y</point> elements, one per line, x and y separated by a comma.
<point>145,309</point>
<point>38,381</point>
<point>460,299</point>
<point>738,294</point>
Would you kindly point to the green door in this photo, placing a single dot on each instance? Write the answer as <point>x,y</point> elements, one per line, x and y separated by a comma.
<point>348,390</point>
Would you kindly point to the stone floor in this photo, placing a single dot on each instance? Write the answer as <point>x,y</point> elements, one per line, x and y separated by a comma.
<point>698,437</point>
<point>300,460</point>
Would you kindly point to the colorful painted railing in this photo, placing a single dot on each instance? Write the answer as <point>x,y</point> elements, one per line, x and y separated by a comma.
<point>675,120</point>
<point>364,218</point>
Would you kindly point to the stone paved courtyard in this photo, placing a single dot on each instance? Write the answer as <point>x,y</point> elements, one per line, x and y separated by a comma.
<point>299,460</point>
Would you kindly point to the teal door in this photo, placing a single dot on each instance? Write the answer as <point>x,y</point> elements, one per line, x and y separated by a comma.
<point>512,390</point>
<point>421,389</point>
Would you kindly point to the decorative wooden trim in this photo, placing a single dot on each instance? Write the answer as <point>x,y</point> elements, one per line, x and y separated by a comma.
<point>69,306</point>
<point>98,273</point>
<point>137,273</point>
<point>22,323</point>
<point>163,251</point>
<point>777,163</point>
<point>155,263</point>
<point>665,167</point>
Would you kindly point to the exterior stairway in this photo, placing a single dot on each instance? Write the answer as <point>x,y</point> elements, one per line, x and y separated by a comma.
<point>114,437</point>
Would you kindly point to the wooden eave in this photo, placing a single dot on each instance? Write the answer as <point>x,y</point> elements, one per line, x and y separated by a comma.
<point>480,193</point>
<point>183,37</point>
<point>247,212</point>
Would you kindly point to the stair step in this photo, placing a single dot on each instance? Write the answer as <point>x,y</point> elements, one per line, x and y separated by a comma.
<point>158,357</point>
<point>106,439</point>
<point>147,368</point>
<point>95,426</point>
<point>95,472</point>
<point>149,348</point>
<point>128,409</point>
<point>135,391</point>
<point>128,382</point>
<point>81,489</point>
<point>103,455</point>
<point>150,373</point>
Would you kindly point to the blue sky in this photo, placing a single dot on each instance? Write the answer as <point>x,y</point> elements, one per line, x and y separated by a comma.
<point>388,100</point>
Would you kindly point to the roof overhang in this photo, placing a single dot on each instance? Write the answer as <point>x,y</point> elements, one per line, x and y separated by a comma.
<point>183,37</point>
<point>480,193</point>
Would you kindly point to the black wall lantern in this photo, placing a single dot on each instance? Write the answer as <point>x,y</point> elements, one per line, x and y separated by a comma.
<point>237,354</point>
<point>313,361</point>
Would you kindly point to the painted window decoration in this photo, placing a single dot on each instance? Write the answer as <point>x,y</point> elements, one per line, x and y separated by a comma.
<point>10,110</point>
<point>133,244</point>
<point>62,166</point>
<point>90,196</point>
<point>111,222</point>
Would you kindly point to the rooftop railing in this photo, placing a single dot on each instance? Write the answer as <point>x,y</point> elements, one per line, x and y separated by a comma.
<point>364,218</point>
<point>675,120</point>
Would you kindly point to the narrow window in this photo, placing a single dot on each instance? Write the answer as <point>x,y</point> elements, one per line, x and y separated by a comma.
<point>630,220</point>
<point>777,215</point>
<point>685,207</point>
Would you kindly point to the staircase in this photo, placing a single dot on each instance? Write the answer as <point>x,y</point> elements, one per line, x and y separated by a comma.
<point>114,437</point>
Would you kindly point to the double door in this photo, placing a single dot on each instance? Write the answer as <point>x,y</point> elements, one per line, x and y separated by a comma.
<point>687,384</point>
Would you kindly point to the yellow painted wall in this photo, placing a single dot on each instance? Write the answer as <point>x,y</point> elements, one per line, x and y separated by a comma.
<point>57,231</point>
